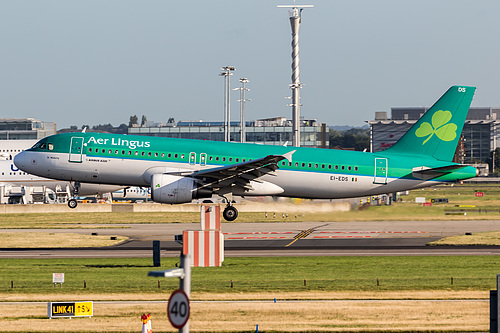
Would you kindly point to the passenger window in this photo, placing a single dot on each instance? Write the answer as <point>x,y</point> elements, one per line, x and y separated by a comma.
<point>316,166</point>
<point>217,158</point>
<point>162,154</point>
<point>309,165</point>
<point>182,156</point>
<point>349,168</point>
<point>243,160</point>
<point>329,166</point>
<point>355,168</point>
<point>109,151</point>
<point>90,150</point>
<point>169,155</point>
<point>104,151</point>
<point>230,159</point>
<point>143,153</point>
<point>156,154</point>
<point>130,152</point>
<point>303,164</point>
<point>343,167</point>
<point>223,159</point>
<point>123,152</point>
<point>175,156</point>
<point>116,152</point>
<point>296,164</point>
<point>136,153</point>
<point>322,166</point>
<point>237,160</point>
<point>289,163</point>
<point>149,154</point>
<point>210,158</point>
<point>336,167</point>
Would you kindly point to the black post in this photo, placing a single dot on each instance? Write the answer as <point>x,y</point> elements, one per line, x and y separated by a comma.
<point>493,311</point>
<point>156,254</point>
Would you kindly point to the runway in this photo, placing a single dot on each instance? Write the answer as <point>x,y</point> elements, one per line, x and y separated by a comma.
<point>373,238</point>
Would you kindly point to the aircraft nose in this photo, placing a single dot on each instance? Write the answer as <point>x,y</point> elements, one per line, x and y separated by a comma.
<point>22,161</point>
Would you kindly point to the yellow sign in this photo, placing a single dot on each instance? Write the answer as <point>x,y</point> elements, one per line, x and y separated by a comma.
<point>83,309</point>
<point>70,309</point>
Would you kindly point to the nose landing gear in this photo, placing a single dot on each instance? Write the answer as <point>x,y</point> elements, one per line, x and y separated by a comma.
<point>72,203</point>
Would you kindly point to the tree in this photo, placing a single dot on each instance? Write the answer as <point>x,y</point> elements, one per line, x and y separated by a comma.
<point>144,120</point>
<point>171,120</point>
<point>133,121</point>
<point>354,138</point>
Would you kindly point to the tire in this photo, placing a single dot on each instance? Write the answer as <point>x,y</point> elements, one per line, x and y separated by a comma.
<point>230,213</point>
<point>72,203</point>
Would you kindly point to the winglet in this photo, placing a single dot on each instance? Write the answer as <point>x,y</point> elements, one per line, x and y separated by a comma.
<point>288,156</point>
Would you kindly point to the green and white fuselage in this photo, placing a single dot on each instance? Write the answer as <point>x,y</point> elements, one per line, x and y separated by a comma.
<point>179,170</point>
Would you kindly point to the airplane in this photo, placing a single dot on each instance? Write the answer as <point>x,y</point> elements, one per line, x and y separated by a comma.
<point>134,194</point>
<point>10,148</point>
<point>181,170</point>
<point>12,176</point>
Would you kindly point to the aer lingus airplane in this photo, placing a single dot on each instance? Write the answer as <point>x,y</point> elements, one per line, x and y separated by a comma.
<point>179,170</point>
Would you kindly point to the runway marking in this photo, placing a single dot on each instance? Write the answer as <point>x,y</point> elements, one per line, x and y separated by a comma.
<point>303,234</point>
<point>277,237</point>
<point>342,236</point>
<point>259,233</point>
<point>372,232</point>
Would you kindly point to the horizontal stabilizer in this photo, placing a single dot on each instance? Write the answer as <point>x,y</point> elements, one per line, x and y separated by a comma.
<point>424,172</point>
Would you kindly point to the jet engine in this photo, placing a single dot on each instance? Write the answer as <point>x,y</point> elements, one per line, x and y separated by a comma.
<point>176,189</point>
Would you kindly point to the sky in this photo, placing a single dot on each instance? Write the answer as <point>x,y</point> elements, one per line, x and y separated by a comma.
<point>98,62</point>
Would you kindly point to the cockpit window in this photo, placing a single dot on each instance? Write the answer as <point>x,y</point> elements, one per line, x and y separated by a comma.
<point>36,145</point>
<point>43,145</point>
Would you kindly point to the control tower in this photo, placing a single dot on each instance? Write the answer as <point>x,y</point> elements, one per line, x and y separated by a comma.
<point>295,20</point>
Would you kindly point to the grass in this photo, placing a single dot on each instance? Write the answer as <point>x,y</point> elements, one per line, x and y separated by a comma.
<point>479,238</point>
<point>405,210</point>
<point>251,275</point>
<point>55,240</point>
<point>343,316</point>
<point>359,304</point>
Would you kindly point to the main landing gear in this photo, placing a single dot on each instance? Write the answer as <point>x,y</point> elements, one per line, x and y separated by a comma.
<point>72,203</point>
<point>230,213</point>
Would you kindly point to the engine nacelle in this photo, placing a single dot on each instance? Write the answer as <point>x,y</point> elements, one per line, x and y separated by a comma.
<point>176,189</point>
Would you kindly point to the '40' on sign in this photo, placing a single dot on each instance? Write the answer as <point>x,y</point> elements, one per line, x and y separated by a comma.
<point>178,308</point>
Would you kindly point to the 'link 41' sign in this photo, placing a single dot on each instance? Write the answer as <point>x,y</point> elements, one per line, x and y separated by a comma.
<point>70,309</point>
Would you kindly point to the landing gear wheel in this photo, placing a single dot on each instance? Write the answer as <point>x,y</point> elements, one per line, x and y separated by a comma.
<point>72,203</point>
<point>230,213</point>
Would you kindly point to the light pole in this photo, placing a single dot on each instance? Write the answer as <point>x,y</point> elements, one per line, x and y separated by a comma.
<point>227,102</point>
<point>295,19</point>
<point>242,101</point>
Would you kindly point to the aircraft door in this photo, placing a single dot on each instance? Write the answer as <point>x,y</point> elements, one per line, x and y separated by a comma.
<point>76,150</point>
<point>203,159</point>
<point>192,158</point>
<point>380,176</point>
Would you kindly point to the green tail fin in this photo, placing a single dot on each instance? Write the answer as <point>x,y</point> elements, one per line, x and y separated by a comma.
<point>437,132</point>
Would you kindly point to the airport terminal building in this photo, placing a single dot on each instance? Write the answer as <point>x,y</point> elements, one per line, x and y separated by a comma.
<point>270,131</point>
<point>25,129</point>
<point>479,136</point>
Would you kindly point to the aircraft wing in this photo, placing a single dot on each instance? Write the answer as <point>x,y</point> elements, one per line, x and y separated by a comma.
<point>242,173</point>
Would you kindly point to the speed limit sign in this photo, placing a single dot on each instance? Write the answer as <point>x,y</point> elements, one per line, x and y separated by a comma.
<point>178,308</point>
